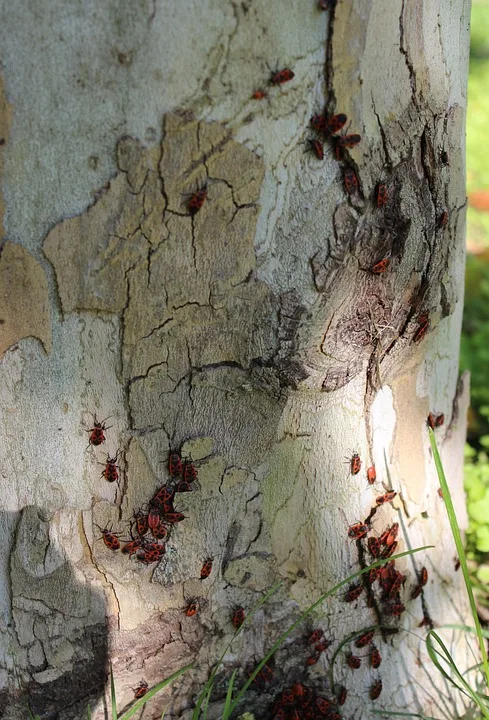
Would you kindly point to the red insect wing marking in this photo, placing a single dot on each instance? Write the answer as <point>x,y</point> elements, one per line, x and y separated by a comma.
<point>334,124</point>
<point>287,697</point>
<point>130,548</point>
<point>392,534</point>
<point>312,660</point>
<point>390,550</point>
<point>375,658</point>
<point>353,661</point>
<point>281,76</point>
<point>159,532</point>
<point>154,518</point>
<point>422,329</point>
<point>164,495</point>
<point>266,673</point>
<point>141,690</point>
<point>431,421</point>
<point>97,432</point>
<point>306,698</point>
<point>381,195</point>
<point>318,123</point>
<point>238,617</point>
<point>397,609</point>
<point>388,497</point>
<point>175,465</point>
<point>375,690</point>
<point>373,575</point>
<point>443,219</point>
<point>196,201</point>
<point>297,689</point>
<point>350,181</point>
<point>322,646</point>
<point>342,695</point>
<point>349,141</point>
<point>355,464</point>
<point>365,639</point>
<point>259,95</point>
<point>353,593</point>
<point>110,539</point>
<point>374,546</point>
<point>316,146</point>
<point>189,472</point>
<point>358,530</point>
<point>371,475</point>
<point>206,568</point>
<point>141,523</point>
<point>423,576</point>
<point>183,486</point>
<point>192,608</point>
<point>322,705</point>
<point>173,517</point>
<point>380,267</point>
<point>316,636</point>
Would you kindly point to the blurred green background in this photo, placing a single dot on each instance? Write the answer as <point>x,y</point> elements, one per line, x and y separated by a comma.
<point>474,354</point>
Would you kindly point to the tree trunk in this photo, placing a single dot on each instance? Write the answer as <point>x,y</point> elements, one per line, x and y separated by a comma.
<point>252,334</point>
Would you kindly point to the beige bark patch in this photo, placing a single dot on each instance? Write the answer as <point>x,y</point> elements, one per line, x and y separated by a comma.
<point>24,310</point>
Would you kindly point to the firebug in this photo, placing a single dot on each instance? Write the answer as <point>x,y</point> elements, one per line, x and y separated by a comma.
<point>380,195</point>
<point>110,539</point>
<point>323,705</point>
<point>342,693</point>
<point>334,124</point>
<point>191,608</point>
<point>316,636</point>
<point>373,546</point>
<point>353,593</point>
<point>173,517</point>
<point>97,432</point>
<point>259,95</point>
<point>141,690</point>
<point>316,146</point>
<point>266,673</point>
<point>279,77</point>
<point>422,329</point>
<point>206,568</point>
<point>111,471</point>
<point>175,465</point>
<point>318,123</point>
<point>312,660</point>
<point>196,201</point>
<point>371,475</point>
<point>389,550</point>
<point>189,472</point>
<point>387,497</point>
<point>131,547</point>
<point>358,530</point>
<point>375,690</point>
<point>365,639</point>
<point>322,646</point>
<point>423,576</point>
<point>396,609</point>
<point>183,486</point>
<point>353,661</point>
<point>373,575</point>
<point>443,219</point>
<point>355,464</point>
<point>380,267</point>
<point>350,181</point>
<point>159,532</point>
<point>141,523</point>
<point>154,518</point>
<point>287,697</point>
<point>375,657</point>
<point>238,617</point>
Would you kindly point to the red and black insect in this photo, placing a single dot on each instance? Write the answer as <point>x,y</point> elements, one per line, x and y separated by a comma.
<point>387,497</point>
<point>312,660</point>
<point>316,636</point>
<point>288,697</point>
<point>279,77</point>
<point>141,690</point>
<point>326,4</point>
<point>189,472</point>
<point>389,550</point>
<point>148,556</point>
<point>175,465</point>
<point>159,532</point>
<point>154,518</point>
<point>238,617</point>
<point>457,564</point>
<point>342,693</point>
<point>373,575</point>
<point>266,674</point>
<point>316,146</point>
<point>353,593</point>
<point>422,329</point>
<point>141,520</point>
<point>374,546</point>
<point>97,432</point>
<point>196,200</point>
<point>380,267</point>
<point>371,475</point>
<point>192,607</point>
<point>173,517</point>
<point>164,499</point>
<point>381,195</point>
<point>259,95</point>
<point>355,463</point>
<point>375,657</point>
<point>344,141</point>
<point>110,539</point>
<point>392,534</point>
<point>333,124</point>
<point>375,690</point>
<point>206,568</point>
<point>155,547</point>
<point>396,609</point>
<point>365,639</point>
<point>353,661</point>
<point>111,470</point>
<point>131,547</point>
<point>318,123</point>
<point>322,646</point>
<point>435,421</point>
<point>183,486</point>
<point>443,219</point>
<point>350,181</point>
<point>396,585</point>
<point>298,690</point>
<point>358,530</point>
<point>423,576</point>
<point>322,705</point>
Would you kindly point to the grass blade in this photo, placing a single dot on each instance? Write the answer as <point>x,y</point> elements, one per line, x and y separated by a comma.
<point>89,713</point>
<point>452,518</point>
<point>113,701</point>
<point>229,696</point>
<point>152,691</point>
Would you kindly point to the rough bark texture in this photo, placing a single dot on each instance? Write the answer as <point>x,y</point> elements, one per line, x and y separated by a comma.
<point>251,336</point>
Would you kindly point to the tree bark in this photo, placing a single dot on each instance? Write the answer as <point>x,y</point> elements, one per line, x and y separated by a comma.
<point>251,336</point>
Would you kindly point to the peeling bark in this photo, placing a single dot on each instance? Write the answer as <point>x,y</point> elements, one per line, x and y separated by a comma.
<point>253,337</point>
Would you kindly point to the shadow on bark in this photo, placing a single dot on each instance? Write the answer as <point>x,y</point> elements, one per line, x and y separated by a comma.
<point>55,637</point>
